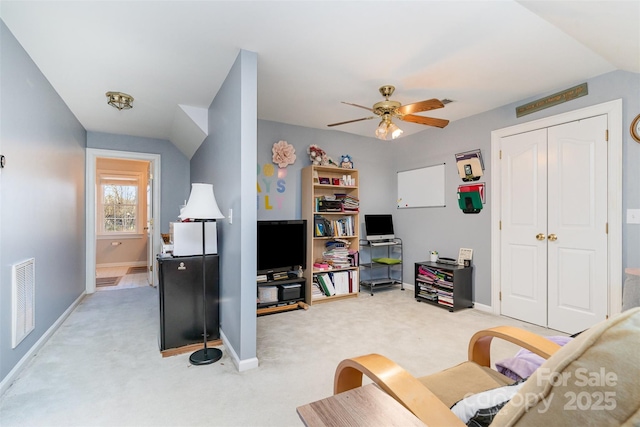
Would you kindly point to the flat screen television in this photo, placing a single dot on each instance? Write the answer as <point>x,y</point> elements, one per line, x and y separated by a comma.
<point>379,227</point>
<point>282,245</point>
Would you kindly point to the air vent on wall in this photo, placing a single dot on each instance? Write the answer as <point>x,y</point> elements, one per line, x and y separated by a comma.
<point>22,300</point>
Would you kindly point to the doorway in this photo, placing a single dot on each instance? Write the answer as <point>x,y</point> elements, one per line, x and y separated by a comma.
<point>122,199</point>
<point>149,191</point>
<point>557,277</point>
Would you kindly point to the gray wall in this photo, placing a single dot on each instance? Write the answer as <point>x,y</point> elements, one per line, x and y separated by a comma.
<point>443,229</point>
<point>174,168</point>
<point>42,195</point>
<point>227,159</point>
<point>372,159</point>
<point>448,229</point>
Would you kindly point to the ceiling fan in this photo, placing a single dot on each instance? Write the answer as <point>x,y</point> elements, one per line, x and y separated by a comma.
<point>387,110</point>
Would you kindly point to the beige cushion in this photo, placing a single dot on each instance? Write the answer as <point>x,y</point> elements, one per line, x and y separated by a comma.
<point>601,371</point>
<point>455,383</point>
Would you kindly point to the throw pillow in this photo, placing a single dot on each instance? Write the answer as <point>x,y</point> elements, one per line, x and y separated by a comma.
<point>479,409</point>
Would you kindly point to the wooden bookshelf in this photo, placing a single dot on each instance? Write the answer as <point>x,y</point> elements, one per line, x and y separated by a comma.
<point>312,190</point>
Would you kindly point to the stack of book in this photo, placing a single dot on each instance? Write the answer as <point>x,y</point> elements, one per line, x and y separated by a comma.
<point>316,290</point>
<point>337,257</point>
<point>435,285</point>
<point>349,203</point>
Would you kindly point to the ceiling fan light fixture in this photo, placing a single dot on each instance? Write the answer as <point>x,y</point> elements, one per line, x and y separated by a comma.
<point>395,131</point>
<point>120,100</point>
<point>381,130</point>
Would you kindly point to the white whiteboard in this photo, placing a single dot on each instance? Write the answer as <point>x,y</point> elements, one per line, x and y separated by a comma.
<point>421,188</point>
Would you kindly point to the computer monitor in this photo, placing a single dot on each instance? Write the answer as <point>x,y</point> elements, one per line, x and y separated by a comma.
<point>379,227</point>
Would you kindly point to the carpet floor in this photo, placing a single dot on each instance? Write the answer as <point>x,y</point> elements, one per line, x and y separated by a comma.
<point>102,367</point>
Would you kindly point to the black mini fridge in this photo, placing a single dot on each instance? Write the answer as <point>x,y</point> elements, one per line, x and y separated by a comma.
<point>180,294</point>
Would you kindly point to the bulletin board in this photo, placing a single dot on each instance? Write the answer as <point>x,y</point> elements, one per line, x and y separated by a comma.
<point>422,188</point>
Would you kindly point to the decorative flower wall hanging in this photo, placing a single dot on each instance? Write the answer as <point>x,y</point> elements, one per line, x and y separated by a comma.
<point>283,154</point>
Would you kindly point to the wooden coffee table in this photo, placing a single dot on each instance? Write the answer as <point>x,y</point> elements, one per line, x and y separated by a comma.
<point>363,406</point>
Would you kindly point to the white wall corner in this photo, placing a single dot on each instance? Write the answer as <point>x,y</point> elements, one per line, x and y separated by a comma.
<point>484,307</point>
<point>189,129</point>
<point>241,365</point>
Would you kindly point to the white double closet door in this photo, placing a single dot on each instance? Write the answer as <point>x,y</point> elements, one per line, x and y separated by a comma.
<point>554,256</point>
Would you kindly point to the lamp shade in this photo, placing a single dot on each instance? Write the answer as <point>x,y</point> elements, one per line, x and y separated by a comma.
<point>202,203</point>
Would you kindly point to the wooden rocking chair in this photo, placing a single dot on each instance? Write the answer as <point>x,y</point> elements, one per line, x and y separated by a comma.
<point>610,346</point>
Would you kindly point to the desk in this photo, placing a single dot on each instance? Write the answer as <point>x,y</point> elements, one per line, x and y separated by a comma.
<point>366,406</point>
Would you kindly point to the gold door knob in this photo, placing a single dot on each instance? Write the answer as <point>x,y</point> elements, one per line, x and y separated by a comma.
<point>540,236</point>
<point>553,237</point>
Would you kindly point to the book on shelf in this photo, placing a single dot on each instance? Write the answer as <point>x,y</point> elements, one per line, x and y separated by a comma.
<point>337,254</point>
<point>340,282</point>
<point>326,284</point>
<point>337,282</point>
<point>321,266</point>
<point>354,281</point>
<point>349,202</point>
<point>316,290</point>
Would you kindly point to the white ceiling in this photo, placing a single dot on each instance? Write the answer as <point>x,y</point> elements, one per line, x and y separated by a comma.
<point>314,54</point>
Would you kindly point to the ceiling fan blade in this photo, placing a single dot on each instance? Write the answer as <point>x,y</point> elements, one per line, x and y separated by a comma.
<point>359,106</point>
<point>429,121</point>
<point>416,107</point>
<point>351,121</point>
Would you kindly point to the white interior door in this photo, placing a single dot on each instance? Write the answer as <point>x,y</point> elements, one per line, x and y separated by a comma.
<point>524,225</point>
<point>577,224</point>
<point>554,217</point>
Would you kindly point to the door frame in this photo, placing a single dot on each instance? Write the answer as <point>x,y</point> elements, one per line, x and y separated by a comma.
<point>613,111</point>
<point>90,193</point>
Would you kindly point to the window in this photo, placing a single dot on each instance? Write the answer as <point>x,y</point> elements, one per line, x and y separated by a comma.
<point>119,204</point>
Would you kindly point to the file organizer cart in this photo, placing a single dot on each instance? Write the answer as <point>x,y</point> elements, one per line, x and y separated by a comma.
<point>447,286</point>
<point>381,263</point>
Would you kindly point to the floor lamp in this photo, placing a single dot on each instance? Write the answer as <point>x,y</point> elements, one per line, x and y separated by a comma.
<point>202,207</point>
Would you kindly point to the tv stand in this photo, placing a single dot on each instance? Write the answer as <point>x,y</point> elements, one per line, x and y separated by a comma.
<point>281,294</point>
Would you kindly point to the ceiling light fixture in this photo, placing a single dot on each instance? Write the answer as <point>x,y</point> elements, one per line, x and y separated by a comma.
<point>381,131</point>
<point>120,100</point>
<point>386,128</point>
<point>395,131</point>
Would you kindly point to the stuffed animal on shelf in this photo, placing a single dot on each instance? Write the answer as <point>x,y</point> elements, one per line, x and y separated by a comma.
<point>319,157</point>
<point>346,162</point>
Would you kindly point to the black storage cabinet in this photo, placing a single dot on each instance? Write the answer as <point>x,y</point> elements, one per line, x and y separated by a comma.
<point>180,295</point>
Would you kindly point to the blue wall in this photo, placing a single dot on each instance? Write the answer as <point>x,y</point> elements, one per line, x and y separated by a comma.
<point>42,201</point>
<point>442,229</point>
<point>448,229</point>
<point>227,159</point>
<point>282,200</point>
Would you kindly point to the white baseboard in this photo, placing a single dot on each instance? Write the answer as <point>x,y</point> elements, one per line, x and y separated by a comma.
<point>123,264</point>
<point>483,307</point>
<point>241,365</point>
<point>13,374</point>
